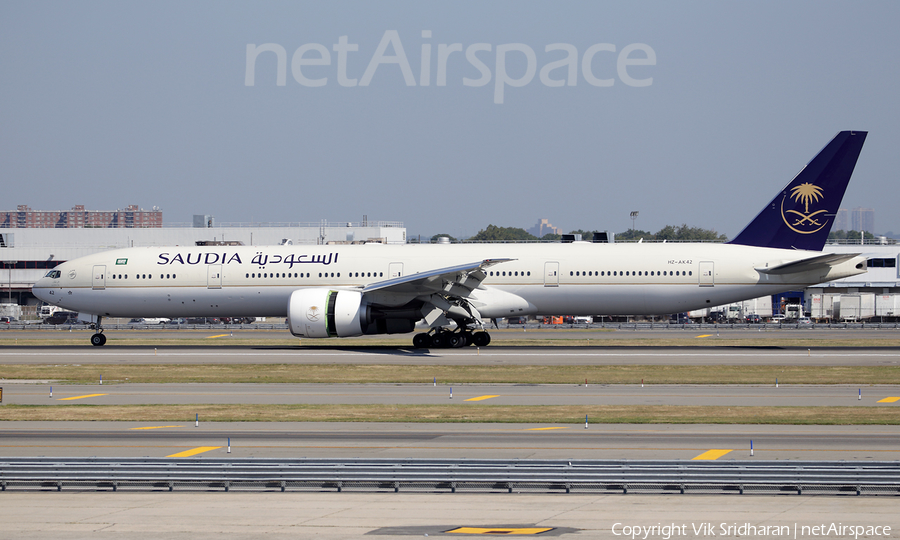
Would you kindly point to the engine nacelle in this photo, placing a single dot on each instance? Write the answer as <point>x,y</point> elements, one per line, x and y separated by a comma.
<point>323,312</point>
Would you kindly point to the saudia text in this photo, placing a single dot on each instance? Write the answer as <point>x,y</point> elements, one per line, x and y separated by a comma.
<point>260,259</point>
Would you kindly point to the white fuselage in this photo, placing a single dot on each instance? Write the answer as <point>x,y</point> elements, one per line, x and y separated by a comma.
<point>572,279</point>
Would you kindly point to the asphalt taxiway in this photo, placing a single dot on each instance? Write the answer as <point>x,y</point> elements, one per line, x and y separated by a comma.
<point>472,441</point>
<point>472,394</point>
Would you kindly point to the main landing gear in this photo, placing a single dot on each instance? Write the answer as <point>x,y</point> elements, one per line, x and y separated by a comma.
<point>443,339</point>
<point>98,339</point>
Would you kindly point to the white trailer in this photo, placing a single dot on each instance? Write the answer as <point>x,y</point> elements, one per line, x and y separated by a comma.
<point>857,306</point>
<point>11,310</point>
<point>822,306</point>
<point>699,313</point>
<point>887,305</point>
<point>761,306</point>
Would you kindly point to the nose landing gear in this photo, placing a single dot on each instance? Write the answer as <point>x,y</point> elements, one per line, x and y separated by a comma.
<point>98,339</point>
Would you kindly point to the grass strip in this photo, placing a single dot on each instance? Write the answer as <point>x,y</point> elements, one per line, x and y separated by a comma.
<point>549,414</point>
<point>452,374</point>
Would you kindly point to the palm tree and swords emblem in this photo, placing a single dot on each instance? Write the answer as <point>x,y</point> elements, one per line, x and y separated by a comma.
<point>805,194</point>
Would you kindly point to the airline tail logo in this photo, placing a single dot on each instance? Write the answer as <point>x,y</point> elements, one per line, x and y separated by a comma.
<point>805,222</point>
<point>313,313</point>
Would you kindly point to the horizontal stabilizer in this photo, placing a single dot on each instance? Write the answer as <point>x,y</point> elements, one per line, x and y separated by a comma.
<point>821,262</point>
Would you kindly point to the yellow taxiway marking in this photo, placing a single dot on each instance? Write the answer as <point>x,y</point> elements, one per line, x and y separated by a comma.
<point>499,530</point>
<point>195,451</point>
<point>545,428</point>
<point>889,400</point>
<point>220,335</point>
<point>712,454</point>
<point>705,335</point>
<point>480,398</point>
<point>154,427</point>
<point>79,397</point>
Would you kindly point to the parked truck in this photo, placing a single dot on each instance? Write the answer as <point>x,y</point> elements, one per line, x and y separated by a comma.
<point>821,306</point>
<point>857,307</point>
<point>887,305</point>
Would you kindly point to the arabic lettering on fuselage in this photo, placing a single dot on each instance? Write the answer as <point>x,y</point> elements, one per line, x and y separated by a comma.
<point>259,259</point>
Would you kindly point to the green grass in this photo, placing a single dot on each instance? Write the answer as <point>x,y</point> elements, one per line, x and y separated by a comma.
<point>458,413</point>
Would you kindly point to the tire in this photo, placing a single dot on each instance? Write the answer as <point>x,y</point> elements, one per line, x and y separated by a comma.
<point>481,339</point>
<point>439,341</point>
<point>422,341</point>
<point>98,340</point>
<point>456,340</point>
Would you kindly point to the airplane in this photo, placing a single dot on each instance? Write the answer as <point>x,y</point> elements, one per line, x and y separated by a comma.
<point>352,290</point>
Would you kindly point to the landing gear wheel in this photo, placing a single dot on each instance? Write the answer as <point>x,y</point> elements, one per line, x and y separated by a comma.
<point>467,336</point>
<point>439,340</point>
<point>456,340</point>
<point>422,341</point>
<point>481,339</point>
<point>98,340</point>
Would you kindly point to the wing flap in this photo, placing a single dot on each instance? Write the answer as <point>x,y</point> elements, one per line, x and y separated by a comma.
<point>455,280</point>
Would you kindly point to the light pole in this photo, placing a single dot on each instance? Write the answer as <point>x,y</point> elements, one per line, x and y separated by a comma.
<point>9,268</point>
<point>634,215</point>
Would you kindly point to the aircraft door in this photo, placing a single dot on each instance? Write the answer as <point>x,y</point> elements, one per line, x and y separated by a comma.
<point>707,274</point>
<point>551,274</point>
<point>98,282</point>
<point>214,276</point>
<point>395,270</point>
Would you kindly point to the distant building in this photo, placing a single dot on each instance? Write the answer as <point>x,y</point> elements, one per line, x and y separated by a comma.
<point>862,219</point>
<point>841,220</point>
<point>544,227</point>
<point>131,217</point>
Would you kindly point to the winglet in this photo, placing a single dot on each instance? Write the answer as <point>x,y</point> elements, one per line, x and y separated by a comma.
<point>801,215</point>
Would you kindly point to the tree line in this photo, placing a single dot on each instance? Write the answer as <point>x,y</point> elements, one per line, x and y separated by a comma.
<point>493,233</point>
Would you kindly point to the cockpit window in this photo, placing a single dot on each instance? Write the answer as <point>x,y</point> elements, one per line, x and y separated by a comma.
<point>53,274</point>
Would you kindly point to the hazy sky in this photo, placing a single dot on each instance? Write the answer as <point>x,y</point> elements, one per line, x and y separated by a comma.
<point>689,112</point>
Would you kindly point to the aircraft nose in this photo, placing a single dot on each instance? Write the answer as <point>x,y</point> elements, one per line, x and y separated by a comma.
<point>40,289</point>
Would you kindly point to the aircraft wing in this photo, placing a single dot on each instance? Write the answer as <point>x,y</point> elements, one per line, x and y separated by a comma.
<point>453,280</point>
<point>820,262</point>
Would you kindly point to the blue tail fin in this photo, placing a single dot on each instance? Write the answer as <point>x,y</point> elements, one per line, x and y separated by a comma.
<point>801,215</point>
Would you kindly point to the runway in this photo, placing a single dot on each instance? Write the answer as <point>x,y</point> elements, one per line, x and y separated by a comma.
<point>474,394</point>
<point>492,355</point>
<point>462,440</point>
<point>473,441</point>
